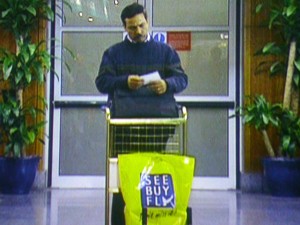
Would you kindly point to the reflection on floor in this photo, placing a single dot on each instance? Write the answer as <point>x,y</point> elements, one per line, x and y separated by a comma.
<point>86,207</point>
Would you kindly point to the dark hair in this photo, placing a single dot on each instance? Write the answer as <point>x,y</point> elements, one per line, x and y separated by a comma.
<point>132,10</point>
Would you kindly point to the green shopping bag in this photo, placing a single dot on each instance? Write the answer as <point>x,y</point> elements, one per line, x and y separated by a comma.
<point>159,182</point>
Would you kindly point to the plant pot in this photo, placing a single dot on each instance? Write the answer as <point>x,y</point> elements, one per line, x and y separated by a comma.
<point>17,174</point>
<point>282,176</point>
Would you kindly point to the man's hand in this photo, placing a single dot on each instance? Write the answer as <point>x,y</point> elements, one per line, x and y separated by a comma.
<point>159,86</point>
<point>135,82</point>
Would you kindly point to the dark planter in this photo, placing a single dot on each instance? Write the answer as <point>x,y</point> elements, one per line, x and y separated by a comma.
<point>282,176</point>
<point>17,174</point>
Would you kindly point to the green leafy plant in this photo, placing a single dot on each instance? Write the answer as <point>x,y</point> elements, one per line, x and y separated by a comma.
<point>28,65</point>
<point>283,18</point>
<point>289,133</point>
<point>19,70</point>
<point>262,115</point>
<point>16,130</point>
<point>21,17</point>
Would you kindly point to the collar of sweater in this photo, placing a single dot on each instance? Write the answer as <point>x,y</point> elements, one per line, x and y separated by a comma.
<point>132,41</point>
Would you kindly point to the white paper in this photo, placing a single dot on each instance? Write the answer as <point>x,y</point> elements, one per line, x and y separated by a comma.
<point>149,77</point>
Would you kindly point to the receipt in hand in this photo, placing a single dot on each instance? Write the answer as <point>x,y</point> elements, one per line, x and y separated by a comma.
<point>154,76</point>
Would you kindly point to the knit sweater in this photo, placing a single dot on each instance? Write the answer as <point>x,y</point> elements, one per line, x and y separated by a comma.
<point>127,58</point>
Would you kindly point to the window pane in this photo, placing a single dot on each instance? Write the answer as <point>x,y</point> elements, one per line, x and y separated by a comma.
<point>82,142</point>
<point>88,49</point>
<point>93,12</point>
<point>190,13</point>
<point>82,151</point>
<point>208,141</point>
<point>207,64</point>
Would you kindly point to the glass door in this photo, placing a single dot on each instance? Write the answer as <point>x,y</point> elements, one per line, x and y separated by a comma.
<point>203,33</point>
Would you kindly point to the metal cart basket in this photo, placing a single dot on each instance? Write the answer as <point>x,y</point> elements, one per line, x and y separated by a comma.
<point>163,135</point>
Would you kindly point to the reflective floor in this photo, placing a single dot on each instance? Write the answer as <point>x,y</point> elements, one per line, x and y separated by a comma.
<point>86,207</point>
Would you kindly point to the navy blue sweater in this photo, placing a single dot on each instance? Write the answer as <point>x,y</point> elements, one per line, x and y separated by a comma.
<point>126,58</point>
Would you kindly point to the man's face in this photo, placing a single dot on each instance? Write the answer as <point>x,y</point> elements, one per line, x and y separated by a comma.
<point>137,27</point>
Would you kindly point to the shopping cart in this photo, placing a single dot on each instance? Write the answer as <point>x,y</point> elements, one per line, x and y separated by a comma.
<point>163,135</point>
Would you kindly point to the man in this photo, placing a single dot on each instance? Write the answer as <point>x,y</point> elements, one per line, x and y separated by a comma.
<point>123,64</point>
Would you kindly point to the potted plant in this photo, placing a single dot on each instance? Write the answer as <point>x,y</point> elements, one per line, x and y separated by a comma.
<point>281,167</point>
<point>284,18</point>
<point>19,70</point>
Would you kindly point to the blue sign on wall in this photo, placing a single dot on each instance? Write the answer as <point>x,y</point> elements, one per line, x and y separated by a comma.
<point>160,36</point>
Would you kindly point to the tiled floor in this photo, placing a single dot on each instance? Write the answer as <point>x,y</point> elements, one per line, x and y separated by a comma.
<point>86,207</point>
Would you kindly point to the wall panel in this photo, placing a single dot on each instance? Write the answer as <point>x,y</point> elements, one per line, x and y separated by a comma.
<point>255,35</point>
